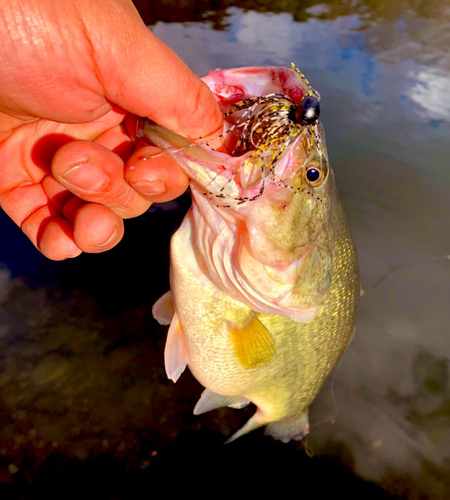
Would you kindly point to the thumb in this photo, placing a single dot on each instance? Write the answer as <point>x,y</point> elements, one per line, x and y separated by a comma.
<point>145,77</point>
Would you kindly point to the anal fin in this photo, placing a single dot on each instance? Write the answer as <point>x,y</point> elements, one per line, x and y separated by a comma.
<point>294,427</point>
<point>252,424</point>
<point>209,400</point>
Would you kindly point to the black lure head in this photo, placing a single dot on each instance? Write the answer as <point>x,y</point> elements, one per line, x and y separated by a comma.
<point>307,111</point>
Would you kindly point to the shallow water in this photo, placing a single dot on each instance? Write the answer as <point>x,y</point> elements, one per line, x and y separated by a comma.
<point>82,386</point>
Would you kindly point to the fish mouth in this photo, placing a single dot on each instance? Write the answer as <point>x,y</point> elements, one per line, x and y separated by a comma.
<point>264,147</point>
<point>232,180</point>
<point>212,170</point>
<point>230,86</point>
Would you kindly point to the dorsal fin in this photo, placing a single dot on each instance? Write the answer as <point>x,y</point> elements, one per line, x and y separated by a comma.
<point>209,400</point>
<point>175,357</point>
<point>253,342</point>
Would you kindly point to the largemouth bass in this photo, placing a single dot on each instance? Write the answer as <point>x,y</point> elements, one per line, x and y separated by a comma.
<point>264,274</point>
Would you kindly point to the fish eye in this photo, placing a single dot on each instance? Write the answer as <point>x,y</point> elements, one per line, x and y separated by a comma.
<point>315,175</point>
<point>312,174</point>
<point>308,111</point>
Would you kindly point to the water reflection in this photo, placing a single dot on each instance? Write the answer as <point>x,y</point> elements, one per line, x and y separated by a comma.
<point>383,70</point>
<point>375,11</point>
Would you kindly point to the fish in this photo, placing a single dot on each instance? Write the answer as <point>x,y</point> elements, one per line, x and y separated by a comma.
<point>264,275</point>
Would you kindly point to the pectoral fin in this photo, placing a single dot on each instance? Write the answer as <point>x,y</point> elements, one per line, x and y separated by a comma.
<point>253,343</point>
<point>175,357</point>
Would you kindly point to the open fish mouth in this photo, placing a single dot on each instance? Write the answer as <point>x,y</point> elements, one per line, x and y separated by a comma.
<point>271,131</point>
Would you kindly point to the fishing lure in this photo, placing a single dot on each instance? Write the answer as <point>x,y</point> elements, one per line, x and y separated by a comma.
<point>267,125</point>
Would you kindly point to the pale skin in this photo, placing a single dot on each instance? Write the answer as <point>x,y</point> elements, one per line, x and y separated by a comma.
<point>75,75</point>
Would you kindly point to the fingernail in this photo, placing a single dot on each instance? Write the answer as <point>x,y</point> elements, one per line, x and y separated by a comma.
<point>151,188</point>
<point>86,176</point>
<point>109,240</point>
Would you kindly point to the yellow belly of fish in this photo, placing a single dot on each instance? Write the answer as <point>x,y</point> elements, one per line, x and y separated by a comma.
<point>286,385</point>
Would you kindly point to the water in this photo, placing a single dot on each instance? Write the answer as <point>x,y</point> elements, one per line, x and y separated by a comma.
<point>81,377</point>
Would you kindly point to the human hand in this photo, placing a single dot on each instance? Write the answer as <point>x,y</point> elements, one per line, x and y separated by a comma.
<point>73,75</point>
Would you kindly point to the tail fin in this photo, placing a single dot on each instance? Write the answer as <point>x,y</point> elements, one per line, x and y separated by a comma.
<point>295,427</point>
